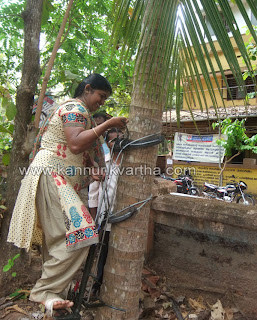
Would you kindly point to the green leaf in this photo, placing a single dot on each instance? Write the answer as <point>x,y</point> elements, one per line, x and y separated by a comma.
<point>11,128</point>
<point>14,274</point>
<point>5,101</point>
<point>6,268</point>
<point>6,159</point>
<point>251,95</point>
<point>3,129</point>
<point>15,293</point>
<point>47,9</point>
<point>3,207</point>
<point>11,111</point>
<point>16,257</point>
<point>10,262</point>
<point>70,76</point>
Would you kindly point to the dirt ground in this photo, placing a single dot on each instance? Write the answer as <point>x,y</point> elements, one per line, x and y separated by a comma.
<point>161,298</point>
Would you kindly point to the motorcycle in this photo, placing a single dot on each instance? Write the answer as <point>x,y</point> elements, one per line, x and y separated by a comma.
<point>184,183</point>
<point>231,192</point>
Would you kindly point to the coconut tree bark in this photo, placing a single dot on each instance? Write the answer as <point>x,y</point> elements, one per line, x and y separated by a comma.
<point>24,102</point>
<point>122,273</point>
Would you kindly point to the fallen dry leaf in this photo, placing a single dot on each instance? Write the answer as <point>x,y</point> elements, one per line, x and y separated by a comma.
<point>16,308</point>
<point>144,286</point>
<point>160,312</point>
<point>217,311</point>
<point>146,272</point>
<point>229,314</point>
<point>151,281</point>
<point>196,305</point>
<point>167,305</point>
<point>154,293</point>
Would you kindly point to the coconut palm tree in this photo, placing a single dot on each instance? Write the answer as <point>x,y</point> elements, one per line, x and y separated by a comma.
<point>167,36</point>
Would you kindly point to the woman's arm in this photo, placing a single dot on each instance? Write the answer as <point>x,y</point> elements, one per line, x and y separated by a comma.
<point>78,139</point>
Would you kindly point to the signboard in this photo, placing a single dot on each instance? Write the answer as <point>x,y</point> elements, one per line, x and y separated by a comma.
<point>190,147</point>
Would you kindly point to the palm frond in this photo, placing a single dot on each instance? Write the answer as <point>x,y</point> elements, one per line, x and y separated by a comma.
<point>246,18</point>
<point>174,35</point>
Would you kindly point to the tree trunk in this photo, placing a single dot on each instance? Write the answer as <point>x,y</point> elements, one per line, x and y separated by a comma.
<point>122,273</point>
<point>24,103</point>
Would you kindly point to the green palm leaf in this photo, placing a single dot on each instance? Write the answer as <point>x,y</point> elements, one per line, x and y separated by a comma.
<point>182,34</point>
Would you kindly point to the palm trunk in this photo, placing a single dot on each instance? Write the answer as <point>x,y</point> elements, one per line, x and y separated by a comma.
<point>122,273</point>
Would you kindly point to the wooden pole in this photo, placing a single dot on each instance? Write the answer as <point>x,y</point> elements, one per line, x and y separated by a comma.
<point>50,65</point>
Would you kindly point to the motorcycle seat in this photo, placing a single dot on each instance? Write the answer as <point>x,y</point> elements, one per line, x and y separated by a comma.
<point>211,186</point>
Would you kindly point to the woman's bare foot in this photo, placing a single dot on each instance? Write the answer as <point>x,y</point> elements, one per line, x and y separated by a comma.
<point>62,304</point>
<point>56,304</point>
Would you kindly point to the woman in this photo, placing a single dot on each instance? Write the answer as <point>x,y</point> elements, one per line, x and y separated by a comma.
<point>48,209</point>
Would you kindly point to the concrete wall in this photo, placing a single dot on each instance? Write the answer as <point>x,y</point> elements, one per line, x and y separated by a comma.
<point>207,245</point>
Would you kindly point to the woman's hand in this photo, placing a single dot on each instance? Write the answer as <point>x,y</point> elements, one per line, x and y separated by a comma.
<point>116,122</point>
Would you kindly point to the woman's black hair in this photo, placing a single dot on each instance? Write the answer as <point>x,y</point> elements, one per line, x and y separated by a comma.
<point>111,130</point>
<point>96,81</point>
<point>100,115</point>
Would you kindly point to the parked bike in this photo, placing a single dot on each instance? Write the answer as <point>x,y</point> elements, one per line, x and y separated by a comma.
<point>232,192</point>
<point>184,183</point>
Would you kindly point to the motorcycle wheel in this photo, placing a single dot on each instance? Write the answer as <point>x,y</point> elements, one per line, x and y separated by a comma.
<point>248,200</point>
<point>209,195</point>
<point>194,192</point>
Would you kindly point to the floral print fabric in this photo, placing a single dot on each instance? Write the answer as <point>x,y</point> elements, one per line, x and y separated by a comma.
<point>70,175</point>
<point>80,226</point>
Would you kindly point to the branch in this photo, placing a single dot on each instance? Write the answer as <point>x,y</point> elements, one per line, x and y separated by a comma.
<point>235,155</point>
<point>67,31</point>
<point>227,161</point>
<point>50,65</point>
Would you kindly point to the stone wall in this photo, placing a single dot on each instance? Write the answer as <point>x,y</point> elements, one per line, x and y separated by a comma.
<point>207,245</point>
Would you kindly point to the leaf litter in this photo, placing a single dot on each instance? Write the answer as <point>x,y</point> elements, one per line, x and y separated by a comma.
<point>157,301</point>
